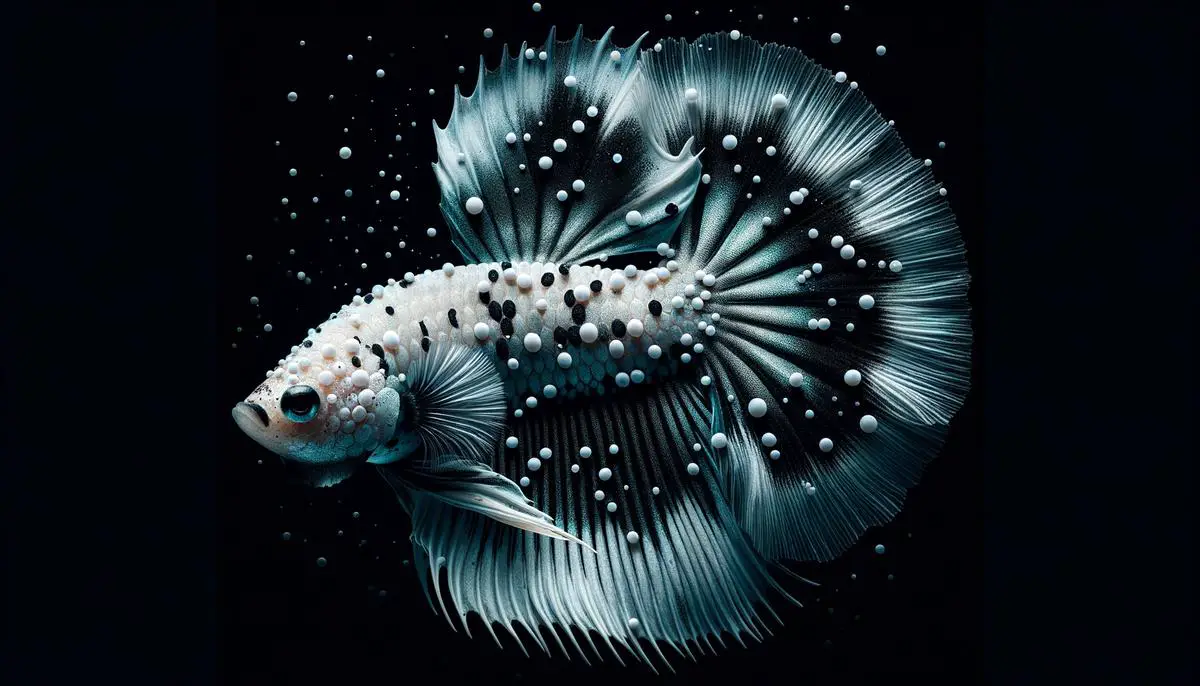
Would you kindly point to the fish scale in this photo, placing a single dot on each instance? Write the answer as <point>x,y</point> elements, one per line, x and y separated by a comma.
<point>432,295</point>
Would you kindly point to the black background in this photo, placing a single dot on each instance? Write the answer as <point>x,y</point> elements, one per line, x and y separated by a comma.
<point>278,604</point>
<point>125,286</point>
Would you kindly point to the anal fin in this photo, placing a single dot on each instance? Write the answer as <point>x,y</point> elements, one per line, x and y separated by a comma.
<point>689,575</point>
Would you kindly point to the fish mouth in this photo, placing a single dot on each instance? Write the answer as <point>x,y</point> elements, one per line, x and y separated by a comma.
<point>250,417</point>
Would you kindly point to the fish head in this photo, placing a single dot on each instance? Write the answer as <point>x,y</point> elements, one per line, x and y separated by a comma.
<point>321,411</point>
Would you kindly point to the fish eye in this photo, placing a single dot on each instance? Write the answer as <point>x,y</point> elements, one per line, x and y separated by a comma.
<point>300,403</point>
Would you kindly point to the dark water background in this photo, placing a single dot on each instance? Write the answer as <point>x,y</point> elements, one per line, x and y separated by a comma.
<point>915,610</point>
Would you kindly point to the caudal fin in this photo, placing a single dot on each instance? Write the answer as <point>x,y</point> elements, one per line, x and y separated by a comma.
<point>838,286</point>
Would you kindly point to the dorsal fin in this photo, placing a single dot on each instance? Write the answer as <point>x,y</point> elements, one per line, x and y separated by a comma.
<point>580,96</point>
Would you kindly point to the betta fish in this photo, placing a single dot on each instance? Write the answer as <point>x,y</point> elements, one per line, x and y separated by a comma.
<point>710,318</point>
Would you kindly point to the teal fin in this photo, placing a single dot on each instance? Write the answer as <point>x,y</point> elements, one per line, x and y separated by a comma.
<point>529,95</point>
<point>690,576</point>
<point>474,487</point>
<point>789,303</point>
<point>457,401</point>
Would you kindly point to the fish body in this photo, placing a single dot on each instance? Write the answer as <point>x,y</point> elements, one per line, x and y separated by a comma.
<point>635,452</point>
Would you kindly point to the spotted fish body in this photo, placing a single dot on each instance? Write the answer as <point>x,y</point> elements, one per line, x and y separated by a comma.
<point>635,451</point>
<point>608,322</point>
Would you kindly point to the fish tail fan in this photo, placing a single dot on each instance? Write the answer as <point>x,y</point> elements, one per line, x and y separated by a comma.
<point>637,552</point>
<point>547,160</point>
<point>836,287</point>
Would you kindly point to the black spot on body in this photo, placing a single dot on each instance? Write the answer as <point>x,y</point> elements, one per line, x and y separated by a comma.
<point>493,275</point>
<point>564,269</point>
<point>452,315</point>
<point>355,361</point>
<point>307,344</point>
<point>510,309</point>
<point>506,265</point>
<point>672,209</point>
<point>485,298</point>
<point>506,326</point>
<point>392,443</point>
<point>495,311</point>
<point>390,310</point>
<point>358,339</point>
<point>603,332</point>
<point>573,336</point>
<point>655,308</point>
<point>548,279</point>
<point>425,344</point>
<point>368,298</point>
<point>502,348</point>
<point>579,313</point>
<point>318,329</point>
<point>618,328</point>
<point>596,286</point>
<point>560,335</point>
<point>424,330</point>
<point>569,298</point>
<point>378,351</point>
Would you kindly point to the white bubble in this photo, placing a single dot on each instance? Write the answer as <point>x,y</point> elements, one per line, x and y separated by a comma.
<point>394,195</point>
<point>729,142</point>
<point>534,464</point>
<point>488,33</point>
<point>866,302</point>
<point>840,77</point>
<point>835,38</point>
<point>578,185</point>
<point>571,81</point>
<point>881,50</point>
<point>344,153</point>
<point>852,377</point>
<point>292,96</point>
<point>379,74</point>
<point>896,266</point>
<point>633,218</point>
<point>693,469</point>
<point>616,158</point>
<point>605,474</point>
<point>796,380</point>
<point>719,440</point>
<point>545,162</point>
<point>779,101</point>
<point>825,445</point>
<point>757,407</point>
<point>735,34</point>
<point>868,424</point>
